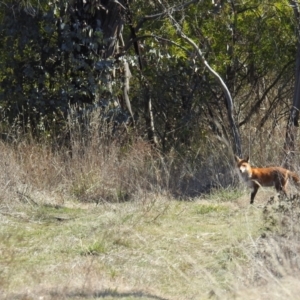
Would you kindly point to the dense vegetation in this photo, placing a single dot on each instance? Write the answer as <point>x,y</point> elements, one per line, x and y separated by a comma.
<point>127,58</point>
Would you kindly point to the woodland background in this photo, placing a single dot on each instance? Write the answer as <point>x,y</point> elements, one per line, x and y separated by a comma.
<point>127,59</point>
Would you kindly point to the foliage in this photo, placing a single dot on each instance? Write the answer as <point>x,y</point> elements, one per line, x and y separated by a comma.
<point>256,65</point>
<point>52,56</point>
<point>60,53</point>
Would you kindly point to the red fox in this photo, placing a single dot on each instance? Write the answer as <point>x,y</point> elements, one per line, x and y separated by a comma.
<point>270,176</point>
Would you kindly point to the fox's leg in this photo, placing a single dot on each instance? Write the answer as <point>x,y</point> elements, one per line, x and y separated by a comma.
<point>254,191</point>
<point>281,187</point>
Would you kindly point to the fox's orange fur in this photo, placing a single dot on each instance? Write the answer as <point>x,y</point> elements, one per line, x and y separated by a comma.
<point>270,176</point>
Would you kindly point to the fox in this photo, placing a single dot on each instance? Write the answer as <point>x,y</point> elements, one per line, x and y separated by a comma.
<point>269,176</point>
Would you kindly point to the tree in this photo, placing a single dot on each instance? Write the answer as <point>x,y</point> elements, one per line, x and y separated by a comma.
<point>293,121</point>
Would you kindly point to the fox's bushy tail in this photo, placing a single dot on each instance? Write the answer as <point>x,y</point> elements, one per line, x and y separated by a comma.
<point>295,177</point>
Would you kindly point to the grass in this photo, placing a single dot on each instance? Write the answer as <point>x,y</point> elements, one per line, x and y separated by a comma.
<point>162,249</point>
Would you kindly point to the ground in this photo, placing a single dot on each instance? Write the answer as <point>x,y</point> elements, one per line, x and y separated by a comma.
<point>155,248</point>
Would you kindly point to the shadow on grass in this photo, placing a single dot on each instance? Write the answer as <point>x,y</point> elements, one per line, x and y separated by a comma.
<point>99,294</point>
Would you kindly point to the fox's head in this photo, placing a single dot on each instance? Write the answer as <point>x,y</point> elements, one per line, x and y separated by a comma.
<point>244,166</point>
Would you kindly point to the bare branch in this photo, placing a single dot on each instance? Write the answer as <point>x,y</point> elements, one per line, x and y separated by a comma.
<point>127,76</point>
<point>256,106</point>
<point>119,4</point>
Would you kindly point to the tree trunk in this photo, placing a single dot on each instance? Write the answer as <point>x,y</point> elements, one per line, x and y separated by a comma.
<point>293,121</point>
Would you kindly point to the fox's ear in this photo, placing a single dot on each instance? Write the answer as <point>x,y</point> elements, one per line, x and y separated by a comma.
<point>237,159</point>
<point>247,159</point>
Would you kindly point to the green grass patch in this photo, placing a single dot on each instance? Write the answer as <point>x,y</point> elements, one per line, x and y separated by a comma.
<point>203,209</point>
<point>97,248</point>
<point>226,195</point>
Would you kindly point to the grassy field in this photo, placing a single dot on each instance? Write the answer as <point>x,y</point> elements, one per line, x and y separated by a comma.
<point>157,248</point>
<point>104,221</point>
